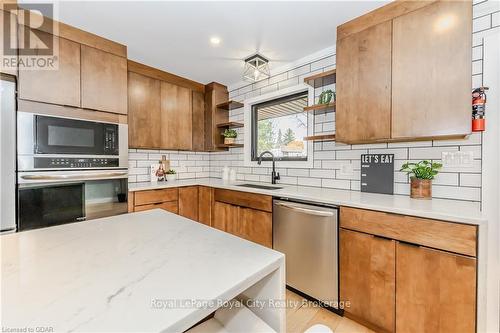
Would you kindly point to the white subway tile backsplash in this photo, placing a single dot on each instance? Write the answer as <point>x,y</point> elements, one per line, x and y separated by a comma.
<point>429,153</point>
<point>470,179</point>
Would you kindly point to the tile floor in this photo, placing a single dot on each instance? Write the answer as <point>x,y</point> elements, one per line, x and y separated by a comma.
<point>303,315</point>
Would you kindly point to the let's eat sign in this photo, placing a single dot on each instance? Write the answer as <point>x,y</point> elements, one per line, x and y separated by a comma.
<point>377,173</point>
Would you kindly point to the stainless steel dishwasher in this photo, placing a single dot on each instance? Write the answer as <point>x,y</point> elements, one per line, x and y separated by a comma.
<point>308,236</point>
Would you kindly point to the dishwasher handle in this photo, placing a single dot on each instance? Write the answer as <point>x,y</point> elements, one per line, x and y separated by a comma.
<point>304,210</point>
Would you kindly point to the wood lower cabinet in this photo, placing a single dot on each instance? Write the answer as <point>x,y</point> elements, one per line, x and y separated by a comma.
<point>205,204</point>
<point>61,86</point>
<point>367,278</point>
<point>166,199</point>
<point>103,80</point>
<point>436,291</point>
<point>363,83</point>
<point>256,226</point>
<point>143,111</point>
<point>394,282</point>
<point>226,217</point>
<point>188,202</point>
<point>170,206</point>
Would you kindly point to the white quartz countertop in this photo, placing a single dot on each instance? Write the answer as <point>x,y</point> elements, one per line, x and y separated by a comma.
<point>440,209</point>
<point>106,274</point>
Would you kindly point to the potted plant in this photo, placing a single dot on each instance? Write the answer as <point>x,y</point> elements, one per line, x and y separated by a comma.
<point>171,175</point>
<point>326,96</point>
<point>229,136</point>
<point>422,174</point>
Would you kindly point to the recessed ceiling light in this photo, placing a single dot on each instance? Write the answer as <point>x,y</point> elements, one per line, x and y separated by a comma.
<point>215,41</point>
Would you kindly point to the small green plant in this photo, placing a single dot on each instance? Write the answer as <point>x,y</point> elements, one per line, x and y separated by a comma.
<point>326,96</point>
<point>229,133</point>
<point>171,172</point>
<point>422,169</point>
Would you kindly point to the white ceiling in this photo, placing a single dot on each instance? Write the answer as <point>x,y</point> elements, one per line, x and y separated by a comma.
<point>174,36</point>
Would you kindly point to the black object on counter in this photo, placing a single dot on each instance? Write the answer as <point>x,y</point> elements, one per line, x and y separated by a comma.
<point>377,173</point>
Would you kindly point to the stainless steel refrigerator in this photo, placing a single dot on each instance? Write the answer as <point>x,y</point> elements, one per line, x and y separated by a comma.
<point>7,153</point>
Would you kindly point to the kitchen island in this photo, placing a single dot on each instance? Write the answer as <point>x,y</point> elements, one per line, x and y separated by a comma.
<point>150,271</point>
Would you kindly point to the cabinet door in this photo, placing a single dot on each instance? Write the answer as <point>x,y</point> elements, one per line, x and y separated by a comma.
<point>188,202</point>
<point>256,226</point>
<point>60,86</point>
<point>367,278</point>
<point>176,117</point>
<point>225,217</point>
<point>143,111</point>
<point>170,206</point>
<point>431,71</point>
<point>363,84</point>
<point>205,204</point>
<point>104,81</point>
<point>436,291</point>
<point>198,121</point>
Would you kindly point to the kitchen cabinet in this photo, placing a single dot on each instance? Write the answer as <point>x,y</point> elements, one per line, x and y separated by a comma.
<point>198,130</point>
<point>176,117</point>
<point>205,204</point>
<point>6,17</point>
<point>60,86</point>
<point>367,278</point>
<point>391,60</point>
<point>215,93</point>
<point>166,199</point>
<point>421,270</point>
<point>432,46</point>
<point>144,111</point>
<point>363,105</point>
<point>188,202</point>
<point>436,291</point>
<point>103,80</point>
<point>246,215</point>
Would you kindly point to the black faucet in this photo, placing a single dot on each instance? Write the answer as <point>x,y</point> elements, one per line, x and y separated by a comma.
<point>274,175</point>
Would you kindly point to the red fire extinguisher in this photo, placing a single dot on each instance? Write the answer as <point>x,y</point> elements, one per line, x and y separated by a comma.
<point>478,109</point>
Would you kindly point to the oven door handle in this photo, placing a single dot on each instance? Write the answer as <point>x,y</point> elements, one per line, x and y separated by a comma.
<point>75,177</point>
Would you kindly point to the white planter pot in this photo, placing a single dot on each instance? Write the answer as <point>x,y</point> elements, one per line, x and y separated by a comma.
<point>171,177</point>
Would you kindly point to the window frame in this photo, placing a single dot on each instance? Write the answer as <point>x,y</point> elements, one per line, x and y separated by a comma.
<point>247,115</point>
<point>254,127</point>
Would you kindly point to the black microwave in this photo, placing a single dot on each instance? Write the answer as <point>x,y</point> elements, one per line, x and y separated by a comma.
<point>70,136</point>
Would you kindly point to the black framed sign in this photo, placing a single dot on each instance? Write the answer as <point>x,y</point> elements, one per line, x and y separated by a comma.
<point>377,173</point>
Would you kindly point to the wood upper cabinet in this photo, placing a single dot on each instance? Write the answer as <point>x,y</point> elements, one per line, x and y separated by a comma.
<point>363,109</point>
<point>367,278</point>
<point>176,117</point>
<point>215,94</point>
<point>198,130</point>
<point>435,291</point>
<point>404,73</point>
<point>7,17</point>
<point>431,71</point>
<point>143,111</point>
<point>103,81</point>
<point>60,86</point>
<point>188,202</point>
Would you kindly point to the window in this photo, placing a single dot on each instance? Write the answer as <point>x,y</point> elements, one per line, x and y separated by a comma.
<point>280,126</point>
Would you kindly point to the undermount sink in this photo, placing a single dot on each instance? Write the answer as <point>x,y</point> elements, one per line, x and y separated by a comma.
<point>262,187</point>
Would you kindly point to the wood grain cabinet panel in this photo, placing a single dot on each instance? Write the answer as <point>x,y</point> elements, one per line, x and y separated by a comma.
<point>363,83</point>
<point>436,291</point>
<point>367,279</point>
<point>104,81</point>
<point>205,204</point>
<point>143,111</point>
<point>7,17</point>
<point>176,117</point>
<point>170,206</point>
<point>61,86</point>
<point>198,130</point>
<point>155,196</point>
<point>225,217</point>
<point>431,72</point>
<point>188,202</point>
<point>256,226</point>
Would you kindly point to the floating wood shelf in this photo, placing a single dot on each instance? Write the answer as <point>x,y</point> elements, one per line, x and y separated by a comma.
<point>230,124</point>
<point>229,105</point>
<point>320,107</point>
<point>321,79</point>
<point>324,137</point>
<point>234,145</point>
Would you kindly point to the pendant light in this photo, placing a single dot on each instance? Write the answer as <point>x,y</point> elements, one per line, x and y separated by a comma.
<point>256,68</point>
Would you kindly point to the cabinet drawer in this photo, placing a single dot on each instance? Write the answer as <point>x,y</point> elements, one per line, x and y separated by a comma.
<point>156,196</point>
<point>244,199</point>
<point>170,206</point>
<point>448,236</point>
